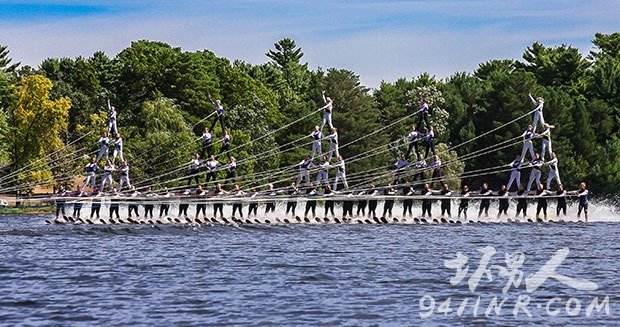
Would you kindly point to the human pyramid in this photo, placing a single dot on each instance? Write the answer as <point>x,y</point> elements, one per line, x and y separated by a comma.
<point>401,189</point>
<point>109,169</point>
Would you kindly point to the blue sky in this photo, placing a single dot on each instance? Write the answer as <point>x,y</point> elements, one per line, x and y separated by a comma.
<point>379,40</point>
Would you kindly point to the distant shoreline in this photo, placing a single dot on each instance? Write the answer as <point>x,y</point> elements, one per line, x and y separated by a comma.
<point>26,210</point>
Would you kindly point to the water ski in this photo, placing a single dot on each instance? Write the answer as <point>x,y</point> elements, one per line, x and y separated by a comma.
<point>306,219</point>
<point>458,222</point>
<point>225,220</point>
<point>451,221</point>
<point>248,221</point>
<point>416,220</point>
<point>423,220</point>
<point>318,220</point>
<point>368,221</point>
<point>337,221</point>
<point>444,220</point>
<point>198,220</point>
<point>47,221</point>
<point>267,221</point>
<point>435,221</point>
<point>395,220</point>
<point>471,221</point>
<point>376,220</point>
<point>384,220</point>
<point>286,221</point>
<point>326,219</point>
<point>298,219</point>
<point>359,221</point>
<point>540,220</point>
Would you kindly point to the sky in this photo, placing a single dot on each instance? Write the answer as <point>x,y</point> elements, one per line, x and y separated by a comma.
<point>378,40</point>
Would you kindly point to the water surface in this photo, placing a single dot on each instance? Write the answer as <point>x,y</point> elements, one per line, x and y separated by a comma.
<point>290,274</point>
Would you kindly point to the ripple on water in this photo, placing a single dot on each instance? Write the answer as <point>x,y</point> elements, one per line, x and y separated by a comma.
<point>273,275</point>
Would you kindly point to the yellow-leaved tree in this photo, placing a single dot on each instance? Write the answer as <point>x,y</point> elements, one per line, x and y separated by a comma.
<point>38,124</point>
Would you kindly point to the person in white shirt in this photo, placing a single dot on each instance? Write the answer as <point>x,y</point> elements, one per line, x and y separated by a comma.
<point>104,145</point>
<point>118,148</point>
<point>429,141</point>
<point>436,167</point>
<point>333,144</point>
<point>219,113</point>
<point>546,141</point>
<point>515,173</point>
<point>231,175</point>
<point>194,169</point>
<point>420,169</point>
<point>554,173</point>
<point>212,165</point>
<point>225,144</point>
<point>414,142</point>
<point>316,137</point>
<point>124,176</point>
<point>528,135</point>
<point>327,111</point>
<point>106,177</point>
<point>535,174</point>
<point>112,128</point>
<point>304,170</point>
<point>340,174</point>
<point>207,144</point>
<point>400,165</point>
<point>424,112</point>
<point>323,174</point>
<point>538,113</point>
<point>90,169</point>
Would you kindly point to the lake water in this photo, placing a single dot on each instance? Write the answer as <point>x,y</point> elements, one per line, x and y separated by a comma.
<point>302,274</point>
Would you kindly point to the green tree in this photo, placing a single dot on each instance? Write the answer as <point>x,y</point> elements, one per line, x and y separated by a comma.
<point>168,142</point>
<point>7,99</point>
<point>5,61</point>
<point>556,66</point>
<point>38,125</point>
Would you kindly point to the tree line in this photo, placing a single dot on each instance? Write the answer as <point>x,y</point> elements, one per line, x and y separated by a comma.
<point>57,111</point>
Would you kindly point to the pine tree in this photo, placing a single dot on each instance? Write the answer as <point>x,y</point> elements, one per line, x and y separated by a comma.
<point>5,61</point>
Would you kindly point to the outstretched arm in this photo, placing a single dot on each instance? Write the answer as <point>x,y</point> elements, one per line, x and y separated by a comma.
<point>109,105</point>
<point>532,98</point>
<point>323,95</point>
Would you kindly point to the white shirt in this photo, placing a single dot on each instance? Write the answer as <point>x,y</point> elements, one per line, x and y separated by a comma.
<point>212,165</point>
<point>194,164</point>
<point>104,141</point>
<point>340,166</point>
<point>401,163</point>
<point>333,137</point>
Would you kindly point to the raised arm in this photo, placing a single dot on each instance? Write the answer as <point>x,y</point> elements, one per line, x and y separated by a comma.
<point>532,98</point>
